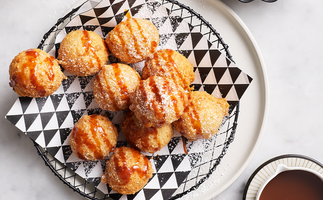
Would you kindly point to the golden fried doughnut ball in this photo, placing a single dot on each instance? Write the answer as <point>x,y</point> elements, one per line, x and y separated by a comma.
<point>35,73</point>
<point>145,139</point>
<point>113,86</point>
<point>158,101</point>
<point>127,171</point>
<point>83,53</point>
<point>202,117</point>
<point>133,40</point>
<point>170,63</point>
<point>93,137</point>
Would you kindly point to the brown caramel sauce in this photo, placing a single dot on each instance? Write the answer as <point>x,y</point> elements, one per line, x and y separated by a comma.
<point>124,171</point>
<point>184,145</point>
<point>194,116</point>
<point>83,138</point>
<point>294,185</point>
<point>87,43</point>
<point>157,109</point>
<point>122,86</point>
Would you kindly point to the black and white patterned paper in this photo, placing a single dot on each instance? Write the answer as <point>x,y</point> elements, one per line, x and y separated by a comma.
<point>48,121</point>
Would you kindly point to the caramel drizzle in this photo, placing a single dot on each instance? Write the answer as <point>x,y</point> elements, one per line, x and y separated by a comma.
<point>82,139</point>
<point>124,171</point>
<point>101,78</point>
<point>168,88</point>
<point>194,116</point>
<point>122,86</point>
<point>159,111</point>
<point>184,145</point>
<point>87,43</point>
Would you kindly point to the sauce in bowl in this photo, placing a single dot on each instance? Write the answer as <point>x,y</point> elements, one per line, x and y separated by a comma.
<point>293,185</point>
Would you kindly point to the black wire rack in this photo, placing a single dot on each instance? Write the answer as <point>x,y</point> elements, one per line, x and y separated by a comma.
<point>197,175</point>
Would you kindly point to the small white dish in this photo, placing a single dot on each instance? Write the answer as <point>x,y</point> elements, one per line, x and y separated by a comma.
<point>271,168</point>
<point>282,168</point>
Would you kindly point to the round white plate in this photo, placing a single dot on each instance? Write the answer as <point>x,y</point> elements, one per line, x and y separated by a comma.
<point>253,105</point>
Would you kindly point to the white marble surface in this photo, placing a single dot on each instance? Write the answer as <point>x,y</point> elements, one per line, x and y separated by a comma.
<point>289,35</point>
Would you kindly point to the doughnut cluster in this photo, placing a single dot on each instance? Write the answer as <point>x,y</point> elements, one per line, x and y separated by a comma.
<point>155,103</point>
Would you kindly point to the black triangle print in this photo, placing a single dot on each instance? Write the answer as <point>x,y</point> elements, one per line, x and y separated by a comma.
<point>84,81</point>
<point>250,79</point>
<point>181,176</point>
<point>61,116</point>
<point>24,102</point>
<point>204,72</point>
<point>33,135</point>
<point>194,158</point>
<point>119,18</point>
<point>209,88</point>
<point>180,39</point>
<point>149,193</point>
<point>240,89</point>
<point>112,1</point>
<point>158,21</point>
<point>173,143</point>
<point>228,62</point>
<point>71,98</point>
<point>159,161</point>
<point>218,72</point>
<point>104,20</point>
<point>92,111</point>
<point>196,37</point>
<point>175,21</point>
<point>185,53</point>
<point>73,165</point>
<point>115,196</point>
<point>163,38</point>
<point>85,18</point>
<point>69,29</point>
<point>88,167</point>
<point>52,150</point>
<point>41,102</point>
<point>196,87</point>
<point>153,6</point>
<point>135,10</point>
<point>13,118</point>
<point>117,6</point>
<point>106,30</point>
<point>131,2</point>
<point>234,73</point>
<point>190,26</point>
<point>232,104</point>
<point>214,55</point>
<point>57,46</point>
<point>48,135</point>
<point>56,99</point>
<point>67,151</point>
<point>45,117</point>
<point>90,27</point>
<point>95,181</point>
<point>64,133</point>
<point>163,178</point>
<point>77,114</point>
<point>177,160</point>
<point>100,11</point>
<point>132,196</point>
<point>111,115</point>
<point>67,82</point>
<point>224,89</point>
<point>167,193</point>
<point>199,55</point>
<point>29,119</point>
<point>88,97</point>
